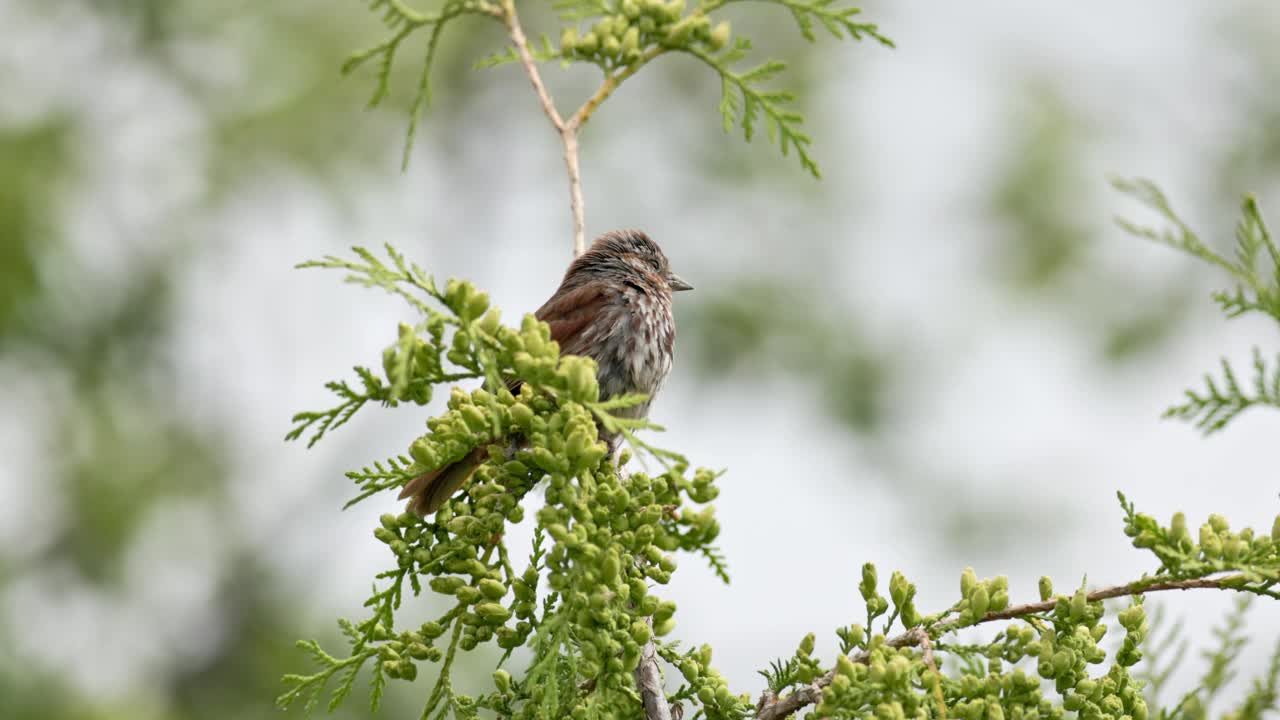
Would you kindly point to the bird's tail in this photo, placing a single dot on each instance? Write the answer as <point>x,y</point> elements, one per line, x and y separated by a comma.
<point>428,491</point>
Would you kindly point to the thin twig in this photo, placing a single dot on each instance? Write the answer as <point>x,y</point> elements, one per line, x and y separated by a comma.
<point>512,21</point>
<point>567,129</point>
<point>1134,588</point>
<point>926,646</point>
<point>569,137</point>
<point>649,682</point>
<point>919,637</point>
<point>568,134</point>
<point>611,83</point>
<point>772,707</point>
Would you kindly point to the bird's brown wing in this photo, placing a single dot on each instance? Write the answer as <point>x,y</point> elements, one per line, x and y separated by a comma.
<point>567,314</point>
<point>428,491</point>
<point>570,312</point>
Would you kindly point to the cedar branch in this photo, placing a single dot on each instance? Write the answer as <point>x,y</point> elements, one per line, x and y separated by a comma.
<point>772,707</point>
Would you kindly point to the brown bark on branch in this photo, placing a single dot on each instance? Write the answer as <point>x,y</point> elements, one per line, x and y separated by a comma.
<point>649,682</point>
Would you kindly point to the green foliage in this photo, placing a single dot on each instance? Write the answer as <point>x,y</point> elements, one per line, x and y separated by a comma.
<point>403,21</point>
<point>412,365</point>
<point>34,162</point>
<point>1215,549</point>
<point>1257,275</point>
<point>1221,401</point>
<point>603,540</point>
<point>1220,669</point>
<point>1255,267</point>
<point>621,36</point>
<point>1050,644</point>
<point>1264,695</point>
<point>584,603</point>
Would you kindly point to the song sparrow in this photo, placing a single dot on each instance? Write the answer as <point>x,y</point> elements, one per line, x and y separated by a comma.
<point>614,306</point>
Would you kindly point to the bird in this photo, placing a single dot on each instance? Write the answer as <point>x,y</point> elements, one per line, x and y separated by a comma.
<point>613,306</point>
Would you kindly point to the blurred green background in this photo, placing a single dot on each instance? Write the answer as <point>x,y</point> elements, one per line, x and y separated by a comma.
<point>942,355</point>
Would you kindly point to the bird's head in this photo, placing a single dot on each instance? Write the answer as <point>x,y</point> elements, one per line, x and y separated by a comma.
<point>633,252</point>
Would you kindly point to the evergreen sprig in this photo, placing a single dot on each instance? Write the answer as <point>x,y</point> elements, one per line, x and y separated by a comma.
<point>320,422</point>
<point>1257,273</point>
<point>1255,266</point>
<point>1221,668</point>
<point>603,539</point>
<point>542,51</point>
<point>308,688</point>
<point>1166,651</point>
<point>1264,693</point>
<point>1057,639</point>
<point>1221,401</point>
<point>743,100</point>
<point>619,37</point>
<point>413,365</point>
<point>1214,549</point>
<point>1221,661</point>
<point>838,21</point>
<point>403,21</point>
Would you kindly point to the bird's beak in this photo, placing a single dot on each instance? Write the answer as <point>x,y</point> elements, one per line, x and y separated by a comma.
<point>678,284</point>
